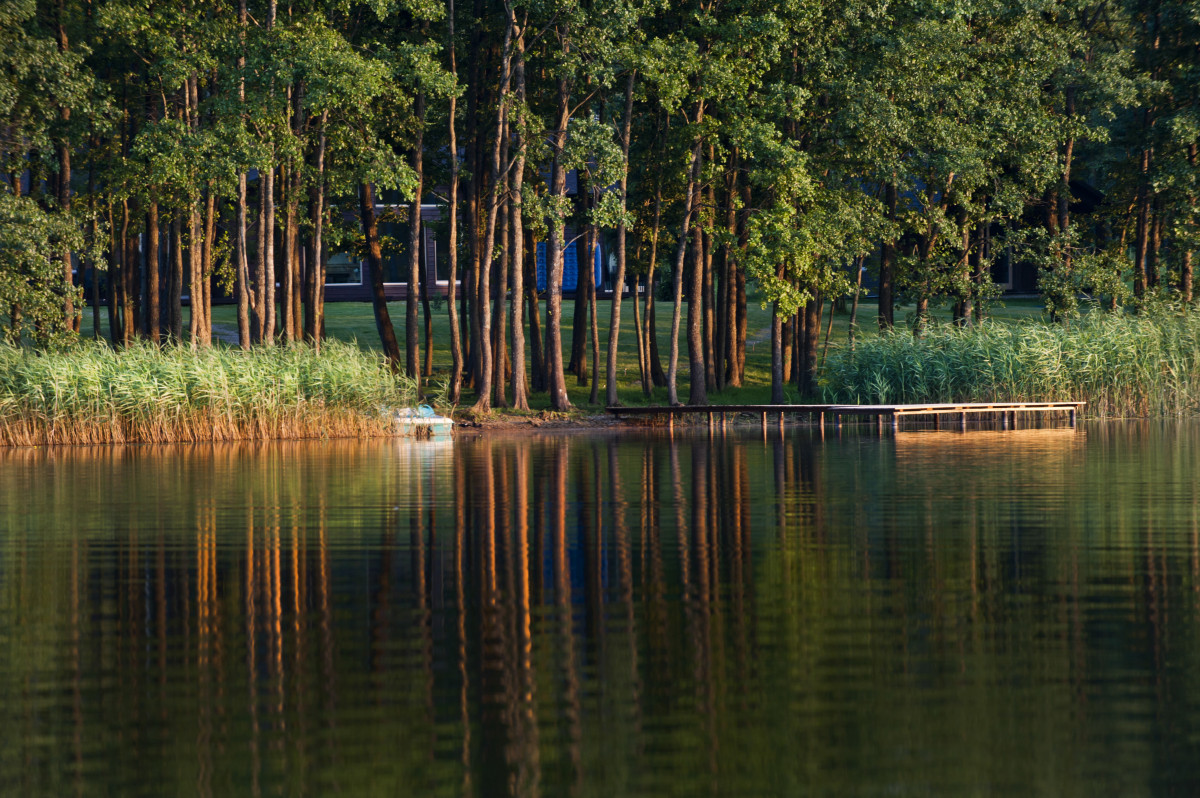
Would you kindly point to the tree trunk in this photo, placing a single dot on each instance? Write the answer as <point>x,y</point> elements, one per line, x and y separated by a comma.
<point>1185,272</point>
<point>383,321</point>
<point>680,252</point>
<point>500,296</point>
<point>484,387</point>
<point>710,311</point>
<point>175,280</point>
<point>470,310</point>
<point>537,347</point>
<point>1143,217</point>
<point>210,238</point>
<point>195,274</point>
<point>153,311</point>
<point>295,197</point>
<point>740,278</point>
<point>614,317</point>
<point>315,275</point>
<point>727,295</point>
<point>639,333</point>
<point>267,221</point>
<point>1064,188</point>
<point>654,375</point>
<point>116,279</point>
<point>556,379</point>
<point>456,352</point>
<point>71,318</point>
<point>698,393</point>
<point>593,243</point>
<point>777,364</point>
<point>858,270</point>
<point>1154,244</point>
<point>811,338</point>
<point>412,347</point>
<point>788,345</point>
<point>287,285</point>
<point>517,228</point>
<point>887,267</point>
<point>241,255</point>
<point>129,273</point>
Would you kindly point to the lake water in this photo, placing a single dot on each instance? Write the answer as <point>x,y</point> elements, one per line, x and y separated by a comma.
<point>928,613</point>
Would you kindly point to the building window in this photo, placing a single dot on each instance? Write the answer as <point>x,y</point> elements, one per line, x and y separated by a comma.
<point>342,269</point>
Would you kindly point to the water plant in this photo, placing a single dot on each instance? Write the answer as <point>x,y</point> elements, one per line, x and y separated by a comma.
<point>91,393</point>
<point>1123,365</point>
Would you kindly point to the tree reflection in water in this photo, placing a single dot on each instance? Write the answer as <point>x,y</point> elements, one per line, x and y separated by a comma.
<point>581,615</point>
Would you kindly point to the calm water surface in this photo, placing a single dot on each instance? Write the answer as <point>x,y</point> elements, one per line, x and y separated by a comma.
<point>931,613</point>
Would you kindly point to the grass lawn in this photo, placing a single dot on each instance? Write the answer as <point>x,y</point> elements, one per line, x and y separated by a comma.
<point>355,322</point>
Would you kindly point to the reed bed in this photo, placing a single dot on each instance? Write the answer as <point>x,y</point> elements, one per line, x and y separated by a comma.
<point>1123,366</point>
<point>91,394</point>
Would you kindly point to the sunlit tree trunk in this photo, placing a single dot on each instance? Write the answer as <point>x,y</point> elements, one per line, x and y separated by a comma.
<point>680,253</point>
<point>456,351</point>
<point>516,225</point>
<point>556,379</point>
<point>614,318</point>
<point>484,389</point>
<point>383,320</point>
<point>412,347</point>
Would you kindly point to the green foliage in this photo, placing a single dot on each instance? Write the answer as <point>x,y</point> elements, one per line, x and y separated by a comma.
<point>32,289</point>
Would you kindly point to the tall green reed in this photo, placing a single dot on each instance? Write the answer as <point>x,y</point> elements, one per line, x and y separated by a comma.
<point>93,394</point>
<point>1122,365</point>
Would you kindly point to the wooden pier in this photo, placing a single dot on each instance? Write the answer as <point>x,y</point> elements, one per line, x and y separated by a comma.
<point>1007,411</point>
<point>891,414</point>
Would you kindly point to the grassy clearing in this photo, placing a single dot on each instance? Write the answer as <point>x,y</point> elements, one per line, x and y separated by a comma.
<point>1123,366</point>
<point>92,394</point>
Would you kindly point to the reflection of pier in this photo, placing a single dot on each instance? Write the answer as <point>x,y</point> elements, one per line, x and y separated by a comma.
<point>1005,413</point>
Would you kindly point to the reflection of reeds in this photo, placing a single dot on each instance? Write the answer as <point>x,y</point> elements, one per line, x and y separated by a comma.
<point>143,394</point>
